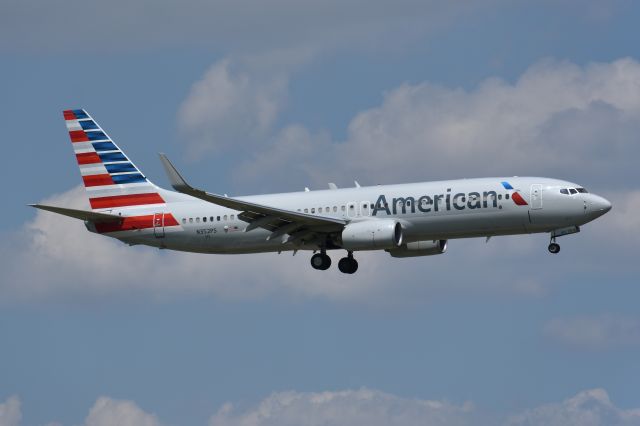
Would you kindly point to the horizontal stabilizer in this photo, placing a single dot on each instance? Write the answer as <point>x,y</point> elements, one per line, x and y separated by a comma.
<point>80,214</point>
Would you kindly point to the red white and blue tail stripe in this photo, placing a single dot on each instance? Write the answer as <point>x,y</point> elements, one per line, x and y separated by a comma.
<point>110,178</point>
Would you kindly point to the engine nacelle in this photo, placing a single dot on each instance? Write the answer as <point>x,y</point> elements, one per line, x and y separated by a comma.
<point>419,248</point>
<point>372,234</point>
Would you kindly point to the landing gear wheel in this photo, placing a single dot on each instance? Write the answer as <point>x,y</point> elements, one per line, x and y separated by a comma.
<point>554,248</point>
<point>320,261</point>
<point>348,265</point>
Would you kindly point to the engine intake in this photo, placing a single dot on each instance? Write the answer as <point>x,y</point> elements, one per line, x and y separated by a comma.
<point>372,234</point>
<point>419,248</point>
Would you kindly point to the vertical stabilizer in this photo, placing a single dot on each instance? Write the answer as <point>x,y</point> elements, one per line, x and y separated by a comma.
<point>110,178</point>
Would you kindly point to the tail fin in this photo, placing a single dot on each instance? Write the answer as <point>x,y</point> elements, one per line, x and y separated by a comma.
<point>110,178</point>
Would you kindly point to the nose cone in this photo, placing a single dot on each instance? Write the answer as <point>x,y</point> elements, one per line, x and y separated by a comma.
<point>599,206</point>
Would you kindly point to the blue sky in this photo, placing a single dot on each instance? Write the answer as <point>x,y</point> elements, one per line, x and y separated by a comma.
<point>257,97</point>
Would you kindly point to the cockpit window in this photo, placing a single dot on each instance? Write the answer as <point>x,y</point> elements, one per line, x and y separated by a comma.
<point>564,191</point>
<point>573,191</point>
<point>582,190</point>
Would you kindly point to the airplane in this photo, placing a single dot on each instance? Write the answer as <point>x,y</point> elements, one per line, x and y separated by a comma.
<point>405,220</point>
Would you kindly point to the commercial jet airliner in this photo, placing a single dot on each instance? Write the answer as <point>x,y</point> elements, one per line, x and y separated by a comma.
<point>406,220</point>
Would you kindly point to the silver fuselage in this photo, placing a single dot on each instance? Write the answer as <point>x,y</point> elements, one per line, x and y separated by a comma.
<point>438,210</point>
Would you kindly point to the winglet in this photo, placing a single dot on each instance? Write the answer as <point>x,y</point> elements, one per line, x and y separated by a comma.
<point>177,181</point>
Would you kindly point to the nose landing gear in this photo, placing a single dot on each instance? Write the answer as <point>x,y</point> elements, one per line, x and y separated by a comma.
<point>348,265</point>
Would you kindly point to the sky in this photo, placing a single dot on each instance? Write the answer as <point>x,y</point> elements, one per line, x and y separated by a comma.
<point>270,96</point>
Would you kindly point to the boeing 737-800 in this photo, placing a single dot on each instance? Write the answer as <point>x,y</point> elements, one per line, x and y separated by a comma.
<point>406,220</point>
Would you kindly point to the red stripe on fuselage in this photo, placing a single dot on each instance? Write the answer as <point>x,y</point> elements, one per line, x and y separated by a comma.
<point>517,198</point>
<point>125,200</point>
<point>97,180</point>
<point>78,136</point>
<point>131,223</point>
<point>69,115</point>
<point>88,158</point>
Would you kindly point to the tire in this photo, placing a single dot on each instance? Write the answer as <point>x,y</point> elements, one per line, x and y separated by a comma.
<point>348,265</point>
<point>320,261</point>
<point>554,248</point>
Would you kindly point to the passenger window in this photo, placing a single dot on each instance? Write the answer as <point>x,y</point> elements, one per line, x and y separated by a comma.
<point>184,220</point>
<point>197,220</point>
<point>306,210</point>
<point>499,196</point>
<point>319,209</point>
<point>204,219</point>
<point>211,218</point>
<point>313,210</point>
<point>506,196</point>
<point>572,191</point>
<point>218,218</point>
<point>232,217</point>
<point>190,220</point>
<point>335,209</point>
<point>327,209</point>
<point>342,208</point>
<point>224,217</point>
<point>564,191</point>
<point>372,206</point>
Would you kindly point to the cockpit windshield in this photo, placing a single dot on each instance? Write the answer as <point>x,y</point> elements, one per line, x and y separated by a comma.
<point>571,191</point>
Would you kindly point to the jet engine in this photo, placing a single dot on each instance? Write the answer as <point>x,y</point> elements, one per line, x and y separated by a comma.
<point>419,248</point>
<point>372,234</point>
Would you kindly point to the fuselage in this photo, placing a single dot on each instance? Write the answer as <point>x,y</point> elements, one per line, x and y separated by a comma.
<point>439,210</point>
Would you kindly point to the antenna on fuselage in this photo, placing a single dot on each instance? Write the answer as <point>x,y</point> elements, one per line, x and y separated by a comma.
<point>357,184</point>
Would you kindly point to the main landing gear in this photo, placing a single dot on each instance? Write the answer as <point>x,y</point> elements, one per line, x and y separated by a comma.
<point>321,261</point>
<point>347,265</point>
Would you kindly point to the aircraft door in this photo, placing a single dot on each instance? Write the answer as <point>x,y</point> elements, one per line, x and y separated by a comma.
<point>536,196</point>
<point>158,225</point>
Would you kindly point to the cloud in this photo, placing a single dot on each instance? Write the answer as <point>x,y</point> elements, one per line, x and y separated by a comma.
<point>588,408</point>
<point>108,412</point>
<point>595,332</point>
<point>350,407</point>
<point>553,120</point>
<point>363,406</point>
<point>237,101</point>
<point>10,414</point>
<point>372,407</point>
<point>73,263</point>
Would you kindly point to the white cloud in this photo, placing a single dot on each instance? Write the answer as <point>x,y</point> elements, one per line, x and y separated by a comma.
<point>364,406</point>
<point>557,119</point>
<point>350,407</point>
<point>595,332</point>
<point>109,412</point>
<point>237,101</point>
<point>73,263</point>
<point>372,407</point>
<point>10,414</point>
<point>588,408</point>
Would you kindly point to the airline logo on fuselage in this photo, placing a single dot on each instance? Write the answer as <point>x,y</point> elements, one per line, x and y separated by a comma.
<point>444,202</point>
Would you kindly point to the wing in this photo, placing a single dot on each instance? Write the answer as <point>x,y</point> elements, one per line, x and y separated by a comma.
<point>298,226</point>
